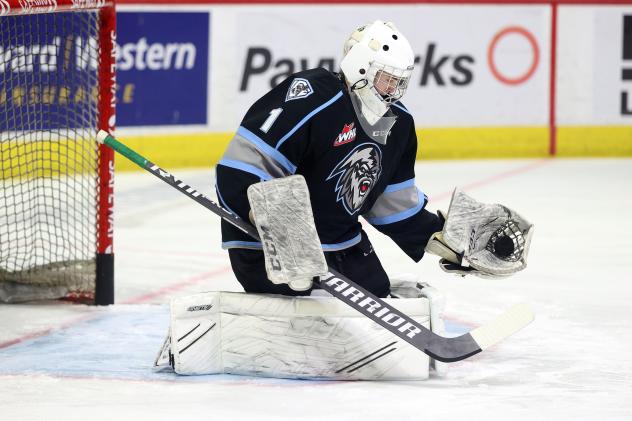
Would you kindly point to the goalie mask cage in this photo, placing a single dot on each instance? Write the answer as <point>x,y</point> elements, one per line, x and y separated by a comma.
<point>56,182</point>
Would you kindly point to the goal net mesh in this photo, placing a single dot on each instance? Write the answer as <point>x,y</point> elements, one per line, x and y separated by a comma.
<point>49,96</point>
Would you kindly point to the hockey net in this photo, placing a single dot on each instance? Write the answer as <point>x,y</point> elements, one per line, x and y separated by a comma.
<point>56,92</point>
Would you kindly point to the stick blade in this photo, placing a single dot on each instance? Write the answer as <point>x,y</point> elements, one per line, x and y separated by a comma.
<point>503,326</point>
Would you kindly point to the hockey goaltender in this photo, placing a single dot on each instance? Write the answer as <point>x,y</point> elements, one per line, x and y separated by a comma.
<point>311,156</point>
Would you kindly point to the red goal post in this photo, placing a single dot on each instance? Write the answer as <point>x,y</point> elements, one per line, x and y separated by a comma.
<point>57,90</point>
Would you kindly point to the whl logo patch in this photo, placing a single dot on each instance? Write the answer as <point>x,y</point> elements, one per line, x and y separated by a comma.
<point>347,135</point>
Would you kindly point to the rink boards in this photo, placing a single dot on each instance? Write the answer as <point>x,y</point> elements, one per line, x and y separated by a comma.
<point>521,80</point>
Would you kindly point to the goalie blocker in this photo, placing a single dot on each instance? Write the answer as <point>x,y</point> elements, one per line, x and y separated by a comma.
<point>297,337</point>
<point>282,212</point>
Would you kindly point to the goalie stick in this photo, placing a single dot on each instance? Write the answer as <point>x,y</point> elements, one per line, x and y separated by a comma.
<point>436,346</point>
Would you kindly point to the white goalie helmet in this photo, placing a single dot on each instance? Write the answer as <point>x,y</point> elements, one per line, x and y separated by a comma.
<point>377,64</point>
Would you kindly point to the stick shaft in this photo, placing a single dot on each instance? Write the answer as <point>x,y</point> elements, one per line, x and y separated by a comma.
<point>179,185</point>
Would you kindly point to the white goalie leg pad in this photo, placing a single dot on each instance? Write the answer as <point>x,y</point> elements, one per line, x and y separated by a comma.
<point>291,337</point>
<point>408,285</point>
<point>283,216</point>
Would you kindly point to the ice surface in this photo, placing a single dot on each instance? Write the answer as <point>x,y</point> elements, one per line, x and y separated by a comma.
<point>65,362</point>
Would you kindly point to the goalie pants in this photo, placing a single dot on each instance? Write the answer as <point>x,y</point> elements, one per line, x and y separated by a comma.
<point>359,263</point>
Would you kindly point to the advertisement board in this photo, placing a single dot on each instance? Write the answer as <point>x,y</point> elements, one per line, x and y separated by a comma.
<point>491,80</point>
<point>64,64</point>
<point>594,78</point>
<point>518,79</point>
<point>477,65</point>
<point>162,68</point>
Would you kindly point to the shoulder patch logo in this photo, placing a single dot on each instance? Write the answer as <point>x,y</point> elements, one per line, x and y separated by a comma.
<point>300,88</point>
<point>347,135</point>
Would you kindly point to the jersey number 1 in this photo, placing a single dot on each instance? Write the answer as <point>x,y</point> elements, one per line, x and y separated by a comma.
<point>274,114</point>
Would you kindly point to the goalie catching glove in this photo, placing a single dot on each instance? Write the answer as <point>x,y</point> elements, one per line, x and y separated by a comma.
<point>480,239</point>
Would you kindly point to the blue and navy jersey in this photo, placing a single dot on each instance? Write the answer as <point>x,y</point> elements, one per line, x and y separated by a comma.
<point>307,125</point>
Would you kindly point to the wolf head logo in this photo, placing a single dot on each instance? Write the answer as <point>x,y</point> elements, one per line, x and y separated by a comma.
<point>357,174</point>
<point>299,88</point>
